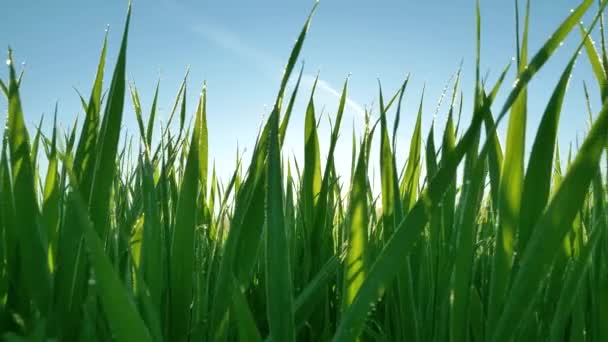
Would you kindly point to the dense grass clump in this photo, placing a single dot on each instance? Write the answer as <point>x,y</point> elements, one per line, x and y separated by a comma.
<point>143,243</point>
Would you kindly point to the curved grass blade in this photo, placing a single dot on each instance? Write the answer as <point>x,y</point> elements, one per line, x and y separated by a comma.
<point>537,181</point>
<point>552,226</point>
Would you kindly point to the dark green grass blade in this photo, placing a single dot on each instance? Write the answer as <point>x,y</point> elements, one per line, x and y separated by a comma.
<point>182,244</point>
<point>32,242</point>
<point>119,309</point>
<point>572,286</point>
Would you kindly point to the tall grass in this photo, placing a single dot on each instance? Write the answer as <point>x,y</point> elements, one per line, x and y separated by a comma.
<point>146,244</point>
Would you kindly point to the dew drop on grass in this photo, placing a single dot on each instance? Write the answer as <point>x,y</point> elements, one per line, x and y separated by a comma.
<point>572,10</point>
<point>8,61</point>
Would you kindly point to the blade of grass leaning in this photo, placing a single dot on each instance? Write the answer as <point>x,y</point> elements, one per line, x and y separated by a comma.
<point>223,285</point>
<point>399,245</point>
<point>537,182</point>
<point>120,310</point>
<point>551,227</point>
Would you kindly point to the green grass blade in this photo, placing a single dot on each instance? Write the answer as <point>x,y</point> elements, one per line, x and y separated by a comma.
<point>105,163</point>
<point>279,294</point>
<point>182,244</point>
<point>552,227</point>
<point>85,157</point>
<point>32,241</point>
<point>537,181</point>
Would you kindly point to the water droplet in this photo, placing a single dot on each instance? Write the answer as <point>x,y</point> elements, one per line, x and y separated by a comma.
<point>561,43</point>
<point>512,59</point>
<point>8,61</point>
<point>572,10</point>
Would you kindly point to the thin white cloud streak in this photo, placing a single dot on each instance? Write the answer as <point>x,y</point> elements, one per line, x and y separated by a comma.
<point>328,89</point>
<point>268,63</point>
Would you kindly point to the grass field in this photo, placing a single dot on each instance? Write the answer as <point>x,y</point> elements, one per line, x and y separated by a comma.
<point>467,241</point>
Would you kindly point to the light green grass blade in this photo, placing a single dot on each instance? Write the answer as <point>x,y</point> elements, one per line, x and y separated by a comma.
<point>356,263</point>
<point>105,163</point>
<point>537,181</point>
<point>85,157</point>
<point>552,226</point>
<point>289,109</point>
<point>510,191</point>
<point>51,198</point>
<point>150,127</point>
<point>243,201</point>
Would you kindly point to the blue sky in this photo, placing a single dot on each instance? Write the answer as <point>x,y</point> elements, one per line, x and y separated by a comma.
<point>240,47</point>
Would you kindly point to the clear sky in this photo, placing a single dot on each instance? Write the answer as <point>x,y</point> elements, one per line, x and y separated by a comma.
<point>240,47</point>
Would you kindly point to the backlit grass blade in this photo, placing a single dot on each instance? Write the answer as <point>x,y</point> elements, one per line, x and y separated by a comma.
<point>105,163</point>
<point>463,265</point>
<point>356,263</point>
<point>411,177</point>
<point>289,109</point>
<point>243,200</point>
<point>510,189</point>
<point>552,226</point>
<point>546,51</point>
<point>311,179</point>
<point>406,235</point>
<point>51,198</point>
<point>32,246</point>
<point>182,244</point>
<point>595,61</point>
<point>279,294</point>
<point>86,154</point>
<point>150,127</point>
<point>537,181</point>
